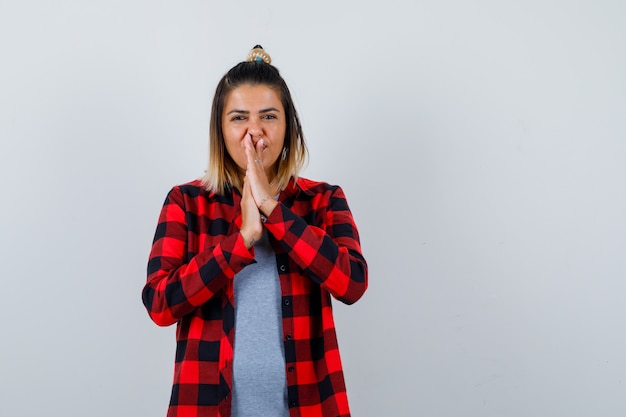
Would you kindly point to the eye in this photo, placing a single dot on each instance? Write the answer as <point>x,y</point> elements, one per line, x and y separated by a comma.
<point>269,116</point>
<point>237,118</point>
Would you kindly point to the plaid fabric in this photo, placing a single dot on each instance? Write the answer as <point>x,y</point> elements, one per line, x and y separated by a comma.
<point>197,251</point>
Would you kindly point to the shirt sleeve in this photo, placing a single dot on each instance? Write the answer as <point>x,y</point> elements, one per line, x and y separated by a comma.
<point>331,254</point>
<point>177,285</point>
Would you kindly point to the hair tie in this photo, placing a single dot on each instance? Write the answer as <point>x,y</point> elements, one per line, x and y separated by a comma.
<point>258,54</point>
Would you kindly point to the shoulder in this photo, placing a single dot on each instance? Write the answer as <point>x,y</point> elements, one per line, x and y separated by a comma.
<point>188,193</point>
<point>191,189</point>
<point>321,194</point>
<point>312,187</point>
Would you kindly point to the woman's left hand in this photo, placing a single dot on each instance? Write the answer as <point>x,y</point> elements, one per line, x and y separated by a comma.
<point>262,192</point>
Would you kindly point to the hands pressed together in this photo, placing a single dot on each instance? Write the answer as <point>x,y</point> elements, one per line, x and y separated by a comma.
<point>257,197</point>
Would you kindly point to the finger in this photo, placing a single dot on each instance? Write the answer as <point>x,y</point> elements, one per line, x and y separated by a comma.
<point>251,136</point>
<point>254,153</point>
<point>254,144</point>
<point>247,142</point>
<point>249,151</point>
<point>258,151</point>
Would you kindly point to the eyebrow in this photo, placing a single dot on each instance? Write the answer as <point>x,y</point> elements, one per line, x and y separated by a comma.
<point>269,109</point>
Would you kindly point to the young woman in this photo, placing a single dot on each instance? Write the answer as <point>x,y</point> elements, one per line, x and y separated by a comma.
<point>245,261</point>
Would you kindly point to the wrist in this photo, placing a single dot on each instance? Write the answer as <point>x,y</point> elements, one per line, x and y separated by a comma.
<point>248,240</point>
<point>263,201</point>
<point>267,206</point>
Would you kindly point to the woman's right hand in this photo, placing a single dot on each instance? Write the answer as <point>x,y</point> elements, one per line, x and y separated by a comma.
<point>251,225</point>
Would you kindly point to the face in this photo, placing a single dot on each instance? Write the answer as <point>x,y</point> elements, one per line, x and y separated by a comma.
<point>258,111</point>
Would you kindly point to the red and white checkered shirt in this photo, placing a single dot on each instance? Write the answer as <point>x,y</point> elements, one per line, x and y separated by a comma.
<point>197,250</point>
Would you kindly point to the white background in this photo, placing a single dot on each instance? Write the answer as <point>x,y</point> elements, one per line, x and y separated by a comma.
<point>481,144</point>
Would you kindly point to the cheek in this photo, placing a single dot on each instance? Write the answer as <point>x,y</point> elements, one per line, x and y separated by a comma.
<point>279,136</point>
<point>231,137</point>
<point>233,148</point>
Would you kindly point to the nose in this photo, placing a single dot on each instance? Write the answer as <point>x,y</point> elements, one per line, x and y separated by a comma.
<point>255,129</point>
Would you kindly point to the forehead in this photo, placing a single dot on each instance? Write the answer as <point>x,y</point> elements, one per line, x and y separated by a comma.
<point>250,97</point>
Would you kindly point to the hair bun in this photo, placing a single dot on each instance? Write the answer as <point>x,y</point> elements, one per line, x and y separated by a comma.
<point>258,54</point>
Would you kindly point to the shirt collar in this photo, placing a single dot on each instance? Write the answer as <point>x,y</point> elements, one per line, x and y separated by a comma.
<point>293,187</point>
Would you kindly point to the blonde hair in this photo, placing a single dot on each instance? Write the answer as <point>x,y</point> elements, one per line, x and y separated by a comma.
<point>222,171</point>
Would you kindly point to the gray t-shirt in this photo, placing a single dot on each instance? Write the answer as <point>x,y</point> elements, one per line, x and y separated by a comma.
<point>259,381</point>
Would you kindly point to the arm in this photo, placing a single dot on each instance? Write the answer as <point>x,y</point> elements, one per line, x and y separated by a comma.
<point>331,257</point>
<point>176,286</point>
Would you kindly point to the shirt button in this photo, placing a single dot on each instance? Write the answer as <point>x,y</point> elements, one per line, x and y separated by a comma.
<point>282,268</point>
<point>291,369</point>
<point>293,403</point>
<point>286,302</point>
<point>288,337</point>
